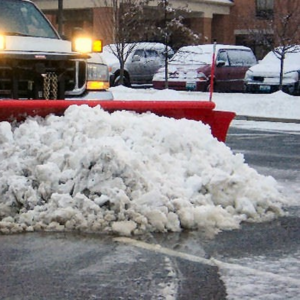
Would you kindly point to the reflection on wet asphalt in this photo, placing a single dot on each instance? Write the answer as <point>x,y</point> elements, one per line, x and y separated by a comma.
<point>78,266</point>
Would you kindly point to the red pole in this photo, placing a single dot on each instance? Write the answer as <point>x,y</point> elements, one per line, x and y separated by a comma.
<point>212,73</point>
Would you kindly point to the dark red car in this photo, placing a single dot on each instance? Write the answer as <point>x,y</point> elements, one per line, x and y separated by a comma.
<point>190,68</point>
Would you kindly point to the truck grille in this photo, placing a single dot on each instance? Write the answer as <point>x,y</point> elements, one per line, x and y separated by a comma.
<point>29,79</point>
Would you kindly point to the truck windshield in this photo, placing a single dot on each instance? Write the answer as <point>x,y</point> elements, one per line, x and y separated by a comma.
<point>23,18</point>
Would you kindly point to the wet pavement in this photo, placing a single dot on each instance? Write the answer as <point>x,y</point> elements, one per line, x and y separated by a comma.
<point>171,266</point>
<point>71,266</point>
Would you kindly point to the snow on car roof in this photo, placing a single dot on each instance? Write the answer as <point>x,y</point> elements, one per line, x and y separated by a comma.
<point>140,45</point>
<point>109,50</point>
<point>201,54</point>
<point>209,48</point>
<point>290,58</point>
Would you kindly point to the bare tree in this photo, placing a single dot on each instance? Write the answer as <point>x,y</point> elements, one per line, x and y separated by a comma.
<point>147,20</point>
<point>127,23</point>
<point>277,30</point>
<point>286,30</point>
<point>170,23</point>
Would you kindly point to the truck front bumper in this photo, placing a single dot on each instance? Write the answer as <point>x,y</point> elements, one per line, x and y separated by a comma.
<point>94,95</point>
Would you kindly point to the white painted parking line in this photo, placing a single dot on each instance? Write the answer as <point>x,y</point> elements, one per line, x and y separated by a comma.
<point>163,250</point>
<point>211,262</point>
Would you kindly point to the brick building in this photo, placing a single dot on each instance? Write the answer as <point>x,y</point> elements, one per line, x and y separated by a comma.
<point>227,21</point>
<point>261,24</point>
<point>207,17</point>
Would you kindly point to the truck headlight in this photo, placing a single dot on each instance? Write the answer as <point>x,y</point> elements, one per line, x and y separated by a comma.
<point>97,77</point>
<point>2,42</point>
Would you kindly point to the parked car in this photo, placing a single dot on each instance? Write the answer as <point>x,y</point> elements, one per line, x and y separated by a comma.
<point>144,59</point>
<point>265,76</point>
<point>190,68</point>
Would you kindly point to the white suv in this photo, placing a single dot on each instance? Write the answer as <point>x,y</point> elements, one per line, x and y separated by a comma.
<point>143,60</point>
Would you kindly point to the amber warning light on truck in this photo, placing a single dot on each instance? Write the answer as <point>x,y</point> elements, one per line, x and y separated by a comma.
<point>97,46</point>
<point>87,45</point>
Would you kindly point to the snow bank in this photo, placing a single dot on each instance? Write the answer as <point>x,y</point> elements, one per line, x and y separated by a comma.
<point>127,174</point>
<point>275,105</point>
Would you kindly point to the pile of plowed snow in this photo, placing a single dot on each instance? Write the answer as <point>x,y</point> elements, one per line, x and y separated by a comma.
<point>125,173</point>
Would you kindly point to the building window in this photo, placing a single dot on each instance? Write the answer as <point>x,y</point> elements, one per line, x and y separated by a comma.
<point>265,9</point>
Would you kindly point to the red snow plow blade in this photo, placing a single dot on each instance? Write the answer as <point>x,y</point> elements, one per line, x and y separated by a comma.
<point>219,121</point>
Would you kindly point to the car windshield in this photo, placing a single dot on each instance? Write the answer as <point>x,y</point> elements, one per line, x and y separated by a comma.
<point>24,19</point>
<point>241,58</point>
<point>191,57</point>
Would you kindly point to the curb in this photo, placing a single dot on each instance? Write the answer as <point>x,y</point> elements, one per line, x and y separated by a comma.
<point>266,119</point>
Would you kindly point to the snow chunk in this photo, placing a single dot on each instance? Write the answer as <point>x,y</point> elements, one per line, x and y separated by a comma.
<point>6,134</point>
<point>124,227</point>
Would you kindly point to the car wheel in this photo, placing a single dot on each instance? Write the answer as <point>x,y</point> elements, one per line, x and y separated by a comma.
<point>297,88</point>
<point>247,89</point>
<point>117,81</point>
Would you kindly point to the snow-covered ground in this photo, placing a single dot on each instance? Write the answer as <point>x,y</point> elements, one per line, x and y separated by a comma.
<point>128,174</point>
<point>276,105</point>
